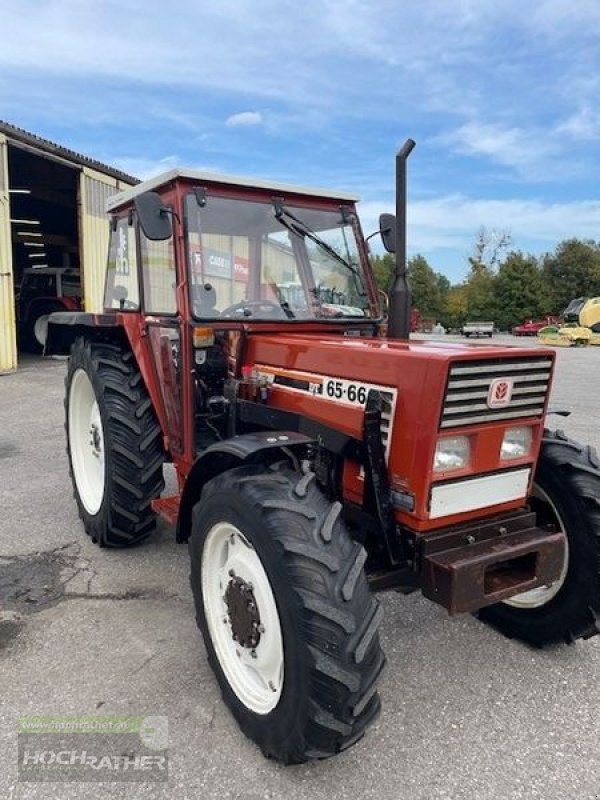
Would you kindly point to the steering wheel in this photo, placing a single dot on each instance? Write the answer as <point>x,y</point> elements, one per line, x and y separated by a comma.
<point>119,294</point>
<point>248,308</point>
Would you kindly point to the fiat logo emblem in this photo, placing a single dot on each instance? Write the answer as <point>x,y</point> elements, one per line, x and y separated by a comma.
<point>500,393</point>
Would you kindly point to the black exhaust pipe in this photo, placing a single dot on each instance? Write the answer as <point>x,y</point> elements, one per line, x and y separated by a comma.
<point>400,299</point>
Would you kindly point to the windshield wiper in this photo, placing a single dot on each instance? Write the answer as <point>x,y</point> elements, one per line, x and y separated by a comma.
<point>300,228</point>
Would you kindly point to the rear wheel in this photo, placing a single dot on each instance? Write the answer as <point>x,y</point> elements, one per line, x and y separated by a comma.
<point>287,617</point>
<point>566,498</point>
<point>35,329</point>
<point>114,444</point>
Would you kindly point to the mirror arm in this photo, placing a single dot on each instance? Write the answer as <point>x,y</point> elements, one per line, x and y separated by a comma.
<point>166,210</point>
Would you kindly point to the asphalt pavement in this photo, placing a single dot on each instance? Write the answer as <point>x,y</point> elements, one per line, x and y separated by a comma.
<point>84,631</point>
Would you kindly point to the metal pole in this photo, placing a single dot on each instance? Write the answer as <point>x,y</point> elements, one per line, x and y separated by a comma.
<point>400,299</point>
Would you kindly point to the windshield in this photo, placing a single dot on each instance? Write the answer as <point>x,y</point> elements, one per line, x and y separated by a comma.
<point>263,260</point>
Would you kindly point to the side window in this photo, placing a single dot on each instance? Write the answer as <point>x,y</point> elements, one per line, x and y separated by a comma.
<point>159,276</point>
<point>121,289</point>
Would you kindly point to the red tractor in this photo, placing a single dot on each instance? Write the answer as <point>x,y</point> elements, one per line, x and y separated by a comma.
<point>317,461</point>
<point>532,327</point>
<point>42,291</point>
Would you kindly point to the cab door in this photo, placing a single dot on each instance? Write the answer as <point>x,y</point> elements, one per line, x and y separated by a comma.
<point>163,328</point>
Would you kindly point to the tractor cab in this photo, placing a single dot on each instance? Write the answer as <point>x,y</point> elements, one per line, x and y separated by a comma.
<point>205,261</point>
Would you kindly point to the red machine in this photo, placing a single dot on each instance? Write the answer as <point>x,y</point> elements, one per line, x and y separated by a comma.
<point>44,290</point>
<point>318,461</point>
<point>531,327</point>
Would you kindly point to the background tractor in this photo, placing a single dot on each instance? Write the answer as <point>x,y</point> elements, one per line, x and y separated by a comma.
<point>44,290</point>
<point>318,461</point>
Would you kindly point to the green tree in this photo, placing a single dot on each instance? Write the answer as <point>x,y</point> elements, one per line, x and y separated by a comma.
<point>455,312</point>
<point>519,290</point>
<point>383,270</point>
<point>424,287</point>
<point>480,293</point>
<point>573,270</point>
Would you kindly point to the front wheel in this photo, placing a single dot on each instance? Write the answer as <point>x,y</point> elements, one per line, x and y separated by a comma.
<point>287,617</point>
<point>566,498</point>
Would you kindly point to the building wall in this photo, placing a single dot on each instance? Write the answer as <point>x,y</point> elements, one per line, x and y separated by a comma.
<point>8,341</point>
<point>94,191</point>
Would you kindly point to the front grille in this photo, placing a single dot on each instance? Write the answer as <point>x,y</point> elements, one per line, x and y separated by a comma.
<point>469,383</point>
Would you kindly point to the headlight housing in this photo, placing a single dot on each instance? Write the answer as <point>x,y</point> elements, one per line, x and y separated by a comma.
<point>516,443</point>
<point>452,453</point>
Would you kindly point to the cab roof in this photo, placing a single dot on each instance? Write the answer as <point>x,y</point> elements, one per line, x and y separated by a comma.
<point>123,198</point>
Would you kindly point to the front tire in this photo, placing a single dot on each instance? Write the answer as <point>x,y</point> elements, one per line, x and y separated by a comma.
<point>287,617</point>
<point>567,497</point>
<point>114,444</point>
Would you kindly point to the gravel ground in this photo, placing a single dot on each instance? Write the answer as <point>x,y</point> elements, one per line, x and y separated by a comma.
<point>466,713</point>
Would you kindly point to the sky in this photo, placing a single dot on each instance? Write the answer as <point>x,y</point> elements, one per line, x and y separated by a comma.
<point>501,96</point>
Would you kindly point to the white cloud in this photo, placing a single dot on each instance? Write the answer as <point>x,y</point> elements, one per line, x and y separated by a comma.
<point>584,124</point>
<point>244,118</point>
<point>527,151</point>
<point>451,222</point>
<point>145,168</point>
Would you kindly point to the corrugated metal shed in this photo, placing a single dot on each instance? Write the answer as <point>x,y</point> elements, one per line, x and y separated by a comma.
<point>8,341</point>
<point>23,138</point>
<point>96,183</point>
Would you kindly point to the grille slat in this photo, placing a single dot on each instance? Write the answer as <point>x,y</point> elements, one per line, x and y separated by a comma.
<point>520,380</point>
<point>502,368</point>
<point>518,391</point>
<point>469,383</point>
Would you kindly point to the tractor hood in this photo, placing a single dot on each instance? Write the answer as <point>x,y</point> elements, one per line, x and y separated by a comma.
<point>328,378</point>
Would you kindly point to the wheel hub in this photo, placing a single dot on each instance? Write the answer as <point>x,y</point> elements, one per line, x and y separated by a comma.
<point>243,612</point>
<point>96,439</point>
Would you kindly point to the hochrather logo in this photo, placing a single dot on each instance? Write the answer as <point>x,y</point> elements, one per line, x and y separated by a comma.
<point>500,393</point>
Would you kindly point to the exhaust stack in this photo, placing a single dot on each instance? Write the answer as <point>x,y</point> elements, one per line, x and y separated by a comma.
<point>400,299</point>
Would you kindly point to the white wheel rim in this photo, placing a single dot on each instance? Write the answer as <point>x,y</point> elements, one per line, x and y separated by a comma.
<point>257,679</point>
<point>40,329</point>
<point>86,442</point>
<point>535,598</point>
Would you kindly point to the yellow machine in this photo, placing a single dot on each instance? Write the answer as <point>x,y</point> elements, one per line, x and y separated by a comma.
<point>582,325</point>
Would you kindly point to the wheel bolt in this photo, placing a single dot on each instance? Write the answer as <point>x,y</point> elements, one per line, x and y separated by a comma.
<point>251,606</point>
<point>250,587</point>
<point>261,628</point>
<point>231,573</point>
<point>253,653</point>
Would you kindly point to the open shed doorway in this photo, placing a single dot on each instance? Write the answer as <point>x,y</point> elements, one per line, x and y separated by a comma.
<point>45,241</point>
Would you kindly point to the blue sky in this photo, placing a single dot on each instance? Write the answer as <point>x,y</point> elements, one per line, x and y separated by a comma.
<point>502,97</point>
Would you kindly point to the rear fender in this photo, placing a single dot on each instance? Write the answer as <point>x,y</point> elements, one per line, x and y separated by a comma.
<point>249,448</point>
<point>126,330</point>
<point>65,326</point>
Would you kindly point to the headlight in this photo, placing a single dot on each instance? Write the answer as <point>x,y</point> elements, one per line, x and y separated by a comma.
<point>452,453</point>
<point>516,443</point>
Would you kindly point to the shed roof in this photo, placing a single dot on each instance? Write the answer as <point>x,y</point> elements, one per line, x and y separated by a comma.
<point>31,140</point>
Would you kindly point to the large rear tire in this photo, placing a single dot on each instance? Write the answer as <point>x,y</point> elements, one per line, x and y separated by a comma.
<point>114,444</point>
<point>287,617</point>
<point>566,497</point>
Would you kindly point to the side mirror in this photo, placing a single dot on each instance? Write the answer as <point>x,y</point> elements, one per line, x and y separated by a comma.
<point>387,227</point>
<point>155,219</point>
